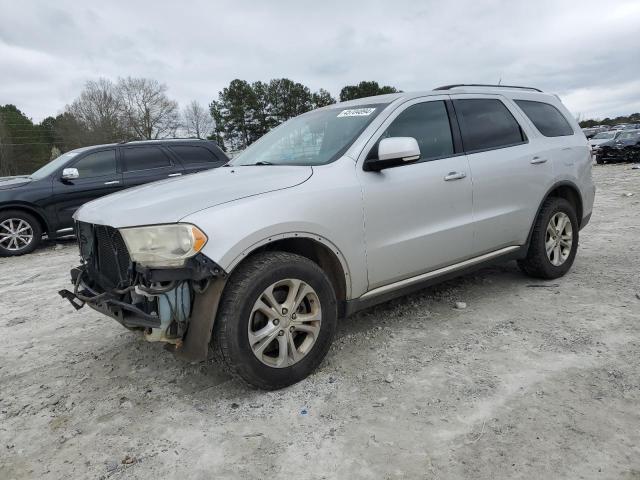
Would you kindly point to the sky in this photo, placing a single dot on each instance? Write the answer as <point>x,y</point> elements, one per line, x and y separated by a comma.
<point>586,51</point>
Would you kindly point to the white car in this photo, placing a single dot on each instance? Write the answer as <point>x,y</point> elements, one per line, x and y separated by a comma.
<point>333,211</point>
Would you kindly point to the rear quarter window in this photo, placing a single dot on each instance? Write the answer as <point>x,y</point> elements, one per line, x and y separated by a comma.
<point>549,121</point>
<point>487,124</point>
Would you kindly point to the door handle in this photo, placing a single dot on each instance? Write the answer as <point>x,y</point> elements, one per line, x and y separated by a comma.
<point>538,160</point>
<point>112,182</point>
<point>454,176</point>
<point>174,175</point>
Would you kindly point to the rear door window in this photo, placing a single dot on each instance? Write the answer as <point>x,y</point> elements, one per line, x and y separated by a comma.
<point>428,123</point>
<point>144,158</point>
<point>194,155</point>
<point>548,119</point>
<point>97,164</point>
<point>486,123</point>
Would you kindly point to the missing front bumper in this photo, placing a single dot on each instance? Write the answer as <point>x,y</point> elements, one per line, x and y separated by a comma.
<point>180,310</point>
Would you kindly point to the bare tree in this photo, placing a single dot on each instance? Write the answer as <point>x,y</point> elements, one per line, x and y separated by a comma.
<point>197,120</point>
<point>99,109</point>
<point>147,110</point>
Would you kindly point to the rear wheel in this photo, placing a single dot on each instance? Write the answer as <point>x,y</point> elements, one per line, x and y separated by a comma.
<point>554,241</point>
<point>20,233</point>
<point>276,320</point>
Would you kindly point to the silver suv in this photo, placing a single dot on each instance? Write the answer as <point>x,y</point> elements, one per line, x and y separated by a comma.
<point>333,211</point>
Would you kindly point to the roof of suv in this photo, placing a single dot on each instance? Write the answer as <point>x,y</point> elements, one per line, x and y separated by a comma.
<point>149,142</point>
<point>505,90</point>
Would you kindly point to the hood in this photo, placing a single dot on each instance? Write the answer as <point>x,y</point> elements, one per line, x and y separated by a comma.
<point>606,143</point>
<point>170,200</point>
<point>599,141</point>
<point>13,182</point>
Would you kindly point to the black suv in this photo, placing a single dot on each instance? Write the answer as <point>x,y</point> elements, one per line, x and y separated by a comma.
<point>44,202</point>
<point>624,148</point>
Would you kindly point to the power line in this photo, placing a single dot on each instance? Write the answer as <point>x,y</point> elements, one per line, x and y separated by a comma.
<point>18,144</point>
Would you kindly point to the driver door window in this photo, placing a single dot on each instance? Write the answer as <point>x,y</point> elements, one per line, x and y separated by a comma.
<point>428,123</point>
<point>97,176</point>
<point>97,164</point>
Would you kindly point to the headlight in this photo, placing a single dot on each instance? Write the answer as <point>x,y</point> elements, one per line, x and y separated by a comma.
<point>163,245</point>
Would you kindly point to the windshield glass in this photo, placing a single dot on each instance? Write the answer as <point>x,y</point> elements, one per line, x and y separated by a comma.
<point>315,138</point>
<point>54,164</point>
<point>628,135</point>
<point>603,135</point>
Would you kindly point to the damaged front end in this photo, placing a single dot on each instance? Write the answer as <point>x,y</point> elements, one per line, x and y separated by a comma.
<point>163,303</point>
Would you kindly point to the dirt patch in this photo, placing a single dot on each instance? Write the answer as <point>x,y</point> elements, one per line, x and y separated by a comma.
<point>525,382</point>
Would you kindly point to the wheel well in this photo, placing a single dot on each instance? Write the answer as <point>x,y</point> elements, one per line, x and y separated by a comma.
<point>33,213</point>
<point>316,252</point>
<point>571,195</point>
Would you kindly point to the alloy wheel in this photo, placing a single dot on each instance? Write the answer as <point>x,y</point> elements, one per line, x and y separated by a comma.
<point>284,323</point>
<point>15,234</point>
<point>559,238</point>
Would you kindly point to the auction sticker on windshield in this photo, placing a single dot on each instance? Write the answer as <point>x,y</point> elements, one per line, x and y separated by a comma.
<point>356,112</point>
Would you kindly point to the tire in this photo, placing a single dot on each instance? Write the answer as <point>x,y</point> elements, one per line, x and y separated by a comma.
<point>538,263</point>
<point>238,318</point>
<point>27,225</point>
<point>599,160</point>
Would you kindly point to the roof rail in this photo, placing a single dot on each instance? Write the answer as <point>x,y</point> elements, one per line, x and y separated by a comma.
<point>158,139</point>
<point>449,87</point>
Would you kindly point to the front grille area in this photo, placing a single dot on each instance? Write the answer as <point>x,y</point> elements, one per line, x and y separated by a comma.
<point>105,254</point>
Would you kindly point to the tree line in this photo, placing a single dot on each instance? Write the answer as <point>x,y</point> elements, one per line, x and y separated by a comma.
<point>633,118</point>
<point>245,111</point>
<point>140,109</point>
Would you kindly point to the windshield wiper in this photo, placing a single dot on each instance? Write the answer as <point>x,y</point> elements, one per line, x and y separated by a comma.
<point>262,162</point>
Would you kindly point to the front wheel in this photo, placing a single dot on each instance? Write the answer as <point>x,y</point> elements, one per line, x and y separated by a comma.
<point>20,233</point>
<point>554,241</point>
<point>276,321</point>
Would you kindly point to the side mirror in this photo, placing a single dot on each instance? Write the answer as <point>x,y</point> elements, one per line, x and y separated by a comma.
<point>70,174</point>
<point>392,152</point>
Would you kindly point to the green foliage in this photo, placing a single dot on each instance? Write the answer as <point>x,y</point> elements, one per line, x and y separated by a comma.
<point>135,108</point>
<point>25,145</point>
<point>244,112</point>
<point>633,118</point>
<point>365,89</point>
<point>235,114</point>
<point>322,98</point>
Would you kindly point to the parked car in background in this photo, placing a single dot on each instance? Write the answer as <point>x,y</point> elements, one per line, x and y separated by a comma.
<point>45,201</point>
<point>334,211</point>
<point>603,137</point>
<point>625,126</point>
<point>624,148</point>
<point>590,132</point>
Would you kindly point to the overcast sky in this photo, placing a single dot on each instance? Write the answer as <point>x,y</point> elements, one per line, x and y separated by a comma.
<point>586,51</point>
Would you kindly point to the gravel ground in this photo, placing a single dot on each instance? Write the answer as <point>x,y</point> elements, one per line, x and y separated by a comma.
<point>531,380</point>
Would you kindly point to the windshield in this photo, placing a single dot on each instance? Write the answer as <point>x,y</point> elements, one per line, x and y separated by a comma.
<point>315,138</point>
<point>603,135</point>
<point>54,164</point>
<point>628,136</point>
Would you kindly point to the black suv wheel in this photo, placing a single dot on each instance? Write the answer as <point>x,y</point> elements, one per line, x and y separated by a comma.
<point>20,233</point>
